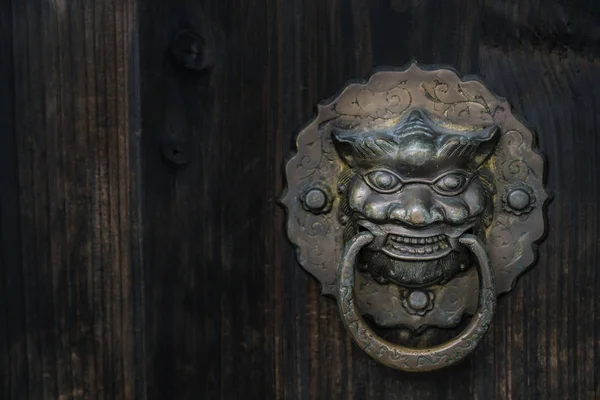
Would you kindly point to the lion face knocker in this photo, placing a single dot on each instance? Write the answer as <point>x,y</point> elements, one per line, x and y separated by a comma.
<point>416,186</point>
<point>415,198</point>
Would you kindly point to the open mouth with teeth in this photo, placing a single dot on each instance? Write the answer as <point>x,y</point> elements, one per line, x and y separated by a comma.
<point>417,248</point>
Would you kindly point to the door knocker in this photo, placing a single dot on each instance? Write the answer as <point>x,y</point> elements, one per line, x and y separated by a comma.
<point>415,198</point>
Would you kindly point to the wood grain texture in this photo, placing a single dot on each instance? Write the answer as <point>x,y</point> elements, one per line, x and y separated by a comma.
<point>229,312</point>
<point>205,299</point>
<point>70,213</point>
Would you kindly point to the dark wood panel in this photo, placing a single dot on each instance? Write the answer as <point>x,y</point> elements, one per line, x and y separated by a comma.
<point>12,316</point>
<point>70,234</point>
<point>229,313</point>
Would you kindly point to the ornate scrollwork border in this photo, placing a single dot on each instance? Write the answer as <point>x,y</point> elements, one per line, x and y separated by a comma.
<point>383,99</point>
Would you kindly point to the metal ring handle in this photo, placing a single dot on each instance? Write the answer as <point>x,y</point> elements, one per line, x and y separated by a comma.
<point>406,358</point>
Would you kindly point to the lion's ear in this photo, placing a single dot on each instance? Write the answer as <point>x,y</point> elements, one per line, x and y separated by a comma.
<point>356,147</point>
<point>344,143</point>
<point>474,147</point>
<point>485,142</point>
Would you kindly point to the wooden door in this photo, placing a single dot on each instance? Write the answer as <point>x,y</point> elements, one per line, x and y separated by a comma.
<point>142,247</point>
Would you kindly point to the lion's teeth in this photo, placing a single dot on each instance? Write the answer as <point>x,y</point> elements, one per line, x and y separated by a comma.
<point>424,245</point>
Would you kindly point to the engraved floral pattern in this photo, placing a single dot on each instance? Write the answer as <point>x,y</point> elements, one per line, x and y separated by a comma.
<point>386,97</point>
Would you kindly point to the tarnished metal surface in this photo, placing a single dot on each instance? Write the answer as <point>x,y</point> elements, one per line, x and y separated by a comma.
<point>405,358</point>
<point>416,158</point>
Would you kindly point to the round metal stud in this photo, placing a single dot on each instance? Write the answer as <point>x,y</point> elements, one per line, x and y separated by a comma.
<point>418,300</point>
<point>518,199</point>
<point>316,199</point>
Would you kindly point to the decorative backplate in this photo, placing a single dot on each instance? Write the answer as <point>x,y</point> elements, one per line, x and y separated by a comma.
<point>417,158</point>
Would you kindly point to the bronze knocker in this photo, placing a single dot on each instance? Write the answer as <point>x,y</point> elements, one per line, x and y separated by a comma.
<point>415,198</point>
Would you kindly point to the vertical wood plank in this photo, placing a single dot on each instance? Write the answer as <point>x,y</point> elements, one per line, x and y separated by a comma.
<point>183,209</point>
<point>13,360</point>
<point>74,157</point>
<point>230,313</point>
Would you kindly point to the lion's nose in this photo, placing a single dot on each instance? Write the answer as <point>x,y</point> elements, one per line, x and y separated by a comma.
<point>415,214</point>
<point>418,216</point>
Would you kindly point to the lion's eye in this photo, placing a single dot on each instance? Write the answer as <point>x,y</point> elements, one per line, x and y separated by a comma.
<point>383,181</point>
<point>451,184</point>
